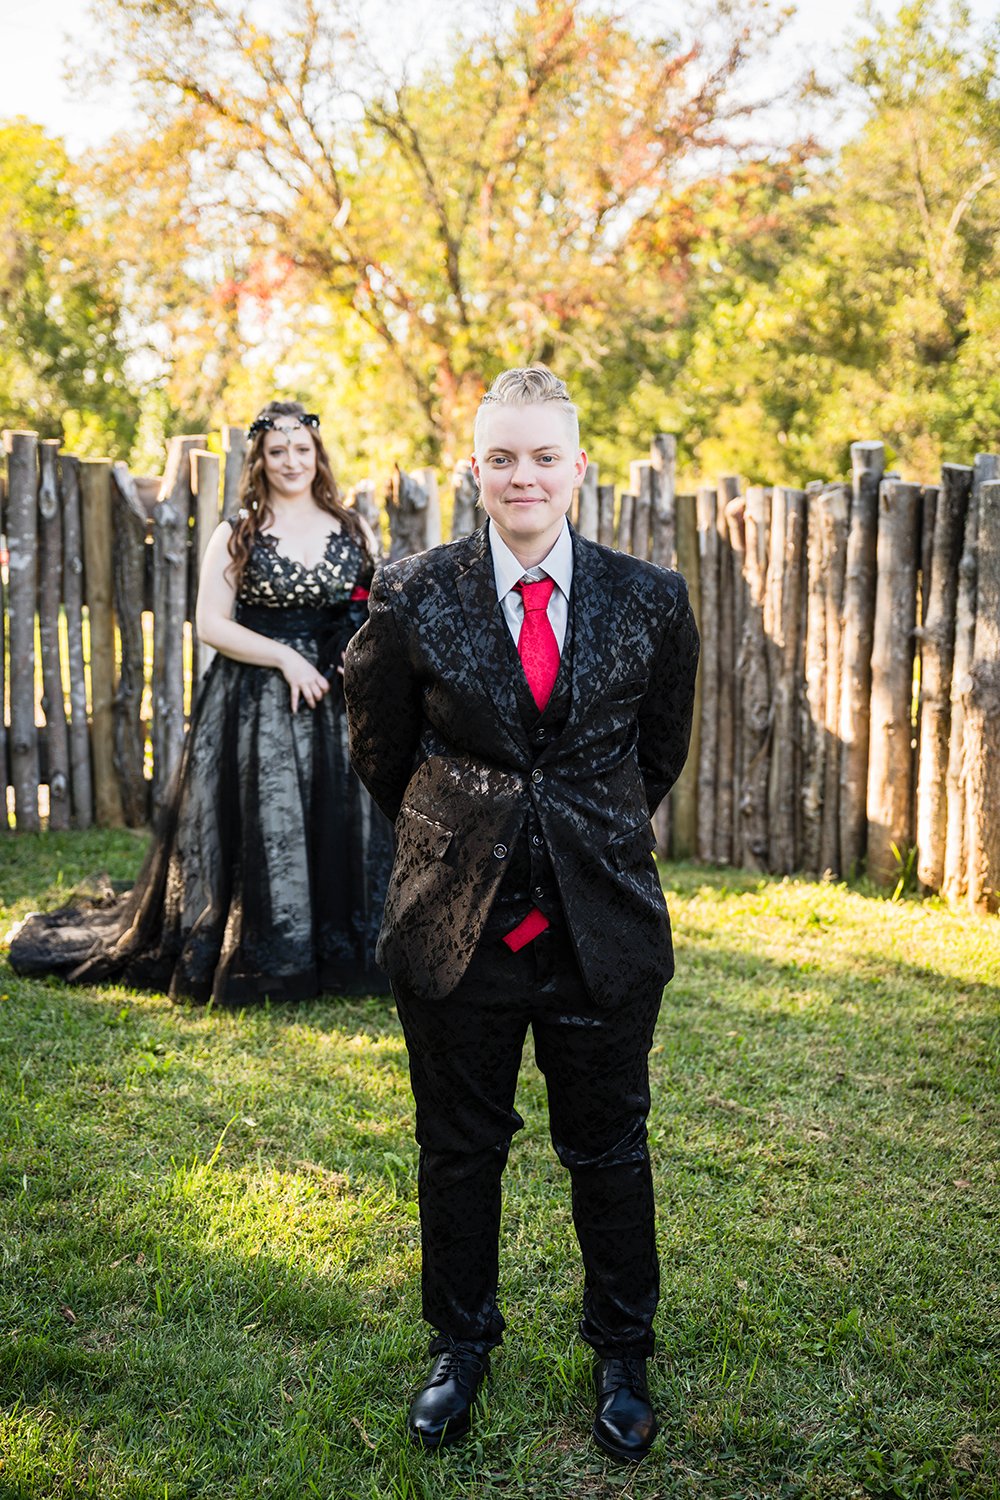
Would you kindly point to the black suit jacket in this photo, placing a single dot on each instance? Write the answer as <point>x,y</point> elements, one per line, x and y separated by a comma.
<point>437,738</point>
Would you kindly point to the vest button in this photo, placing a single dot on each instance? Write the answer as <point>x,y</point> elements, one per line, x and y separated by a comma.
<point>536,775</point>
<point>499,851</point>
<point>539,893</point>
<point>537,840</point>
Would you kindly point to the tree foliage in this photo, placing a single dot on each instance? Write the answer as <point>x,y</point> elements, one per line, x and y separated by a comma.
<point>61,361</point>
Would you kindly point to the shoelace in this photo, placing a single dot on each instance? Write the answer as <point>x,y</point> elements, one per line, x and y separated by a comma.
<point>625,1372</point>
<point>460,1364</point>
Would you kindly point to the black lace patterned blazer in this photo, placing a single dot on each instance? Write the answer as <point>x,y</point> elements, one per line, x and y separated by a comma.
<point>438,739</point>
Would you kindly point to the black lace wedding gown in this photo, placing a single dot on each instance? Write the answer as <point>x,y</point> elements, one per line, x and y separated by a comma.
<point>269,869</point>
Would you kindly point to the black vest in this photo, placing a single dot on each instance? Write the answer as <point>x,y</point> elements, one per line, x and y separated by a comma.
<point>529,880</point>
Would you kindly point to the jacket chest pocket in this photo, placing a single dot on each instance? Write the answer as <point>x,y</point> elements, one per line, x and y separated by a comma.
<point>415,830</point>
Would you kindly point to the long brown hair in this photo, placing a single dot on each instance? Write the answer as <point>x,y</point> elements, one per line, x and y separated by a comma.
<point>255,509</point>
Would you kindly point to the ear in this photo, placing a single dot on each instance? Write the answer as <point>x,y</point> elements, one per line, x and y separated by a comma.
<point>474,462</point>
<point>580,467</point>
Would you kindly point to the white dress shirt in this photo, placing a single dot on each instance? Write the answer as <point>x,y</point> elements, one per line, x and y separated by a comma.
<point>557,565</point>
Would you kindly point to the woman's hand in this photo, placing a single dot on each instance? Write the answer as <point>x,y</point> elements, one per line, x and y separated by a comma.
<point>305,680</point>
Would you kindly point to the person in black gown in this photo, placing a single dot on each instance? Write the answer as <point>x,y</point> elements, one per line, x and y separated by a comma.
<point>268,872</point>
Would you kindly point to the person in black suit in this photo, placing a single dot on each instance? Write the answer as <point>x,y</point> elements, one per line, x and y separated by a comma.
<point>519,703</point>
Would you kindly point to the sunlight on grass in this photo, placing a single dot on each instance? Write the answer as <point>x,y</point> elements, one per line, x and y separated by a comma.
<point>211,1239</point>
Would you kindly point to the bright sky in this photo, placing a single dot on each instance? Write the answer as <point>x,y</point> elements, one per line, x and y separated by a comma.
<point>38,38</point>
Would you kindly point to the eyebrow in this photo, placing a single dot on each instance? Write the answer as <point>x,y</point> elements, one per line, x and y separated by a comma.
<point>539,448</point>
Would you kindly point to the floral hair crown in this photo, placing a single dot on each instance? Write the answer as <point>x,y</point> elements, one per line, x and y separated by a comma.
<point>268,424</point>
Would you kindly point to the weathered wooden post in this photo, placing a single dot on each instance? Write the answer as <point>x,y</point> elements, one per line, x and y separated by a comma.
<point>587,509</point>
<point>205,484</point>
<point>985,470</point>
<point>835,506</point>
<point>4,770</point>
<point>466,514</point>
<point>22,571</point>
<point>814,747</point>
<point>432,515</point>
<point>708,561</point>
<point>684,797</point>
<point>95,506</point>
<point>786,763</point>
<point>406,503</point>
<point>234,448</point>
<point>728,688</point>
<point>49,596</point>
<point>626,510</point>
<point>982,716</point>
<point>735,512</point>
<point>937,651</point>
<point>130,524</point>
<point>606,515</point>
<point>868,464</point>
<point>362,497</point>
<point>755,674</point>
<point>663,456</point>
<point>890,766</point>
<point>641,484</point>
<point>170,580</point>
<point>81,778</point>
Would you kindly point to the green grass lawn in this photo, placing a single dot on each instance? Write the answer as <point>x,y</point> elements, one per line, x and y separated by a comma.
<point>210,1260</point>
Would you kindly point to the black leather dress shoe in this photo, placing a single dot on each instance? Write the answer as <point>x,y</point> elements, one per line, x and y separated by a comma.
<point>624,1425</point>
<point>441,1411</point>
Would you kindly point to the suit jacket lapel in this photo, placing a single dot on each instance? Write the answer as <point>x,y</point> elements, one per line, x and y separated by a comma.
<point>487,629</point>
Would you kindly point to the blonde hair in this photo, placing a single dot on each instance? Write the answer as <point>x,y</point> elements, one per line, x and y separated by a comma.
<point>530,386</point>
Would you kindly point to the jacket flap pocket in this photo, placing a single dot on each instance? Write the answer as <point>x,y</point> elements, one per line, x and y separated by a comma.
<point>631,847</point>
<point>426,833</point>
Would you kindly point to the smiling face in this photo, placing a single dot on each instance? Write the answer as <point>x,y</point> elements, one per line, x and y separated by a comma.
<point>527,463</point>
<point>289,460</point>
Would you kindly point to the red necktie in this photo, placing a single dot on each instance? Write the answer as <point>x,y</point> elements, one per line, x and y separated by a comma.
<point>537,645</point>
<point>539,652</point>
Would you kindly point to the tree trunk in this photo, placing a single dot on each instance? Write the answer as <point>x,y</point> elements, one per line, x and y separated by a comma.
<point>814,748</point>
<point>755,677</point>
<point>890,769</point>
<point>234,448</point>
<point>22,573</point>
<point>728,489</point>
<point>170,571</point>
<point>95,505</point>
<point>786,761</point>
<point>81,777</point>
<point>362,497</point>
<point>937,651</point>
<point>205,484</point>
<point>868,464</point>
<point>49,597</point>
<point>835,504</point>
<point>130,524</point>
<point>982,717</point>
<point>663,456</point>
<point>708,750</point>
<point>684,797</point>
<point>985,469</point>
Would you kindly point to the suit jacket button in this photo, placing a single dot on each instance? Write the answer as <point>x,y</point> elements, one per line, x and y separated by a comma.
<point>500,851</point>
<point>537,840</point>
<point>539,893</point>
<point>536,775</point>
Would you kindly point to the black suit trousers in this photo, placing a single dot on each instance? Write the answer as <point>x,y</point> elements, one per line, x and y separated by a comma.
<point>465,1054</point>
